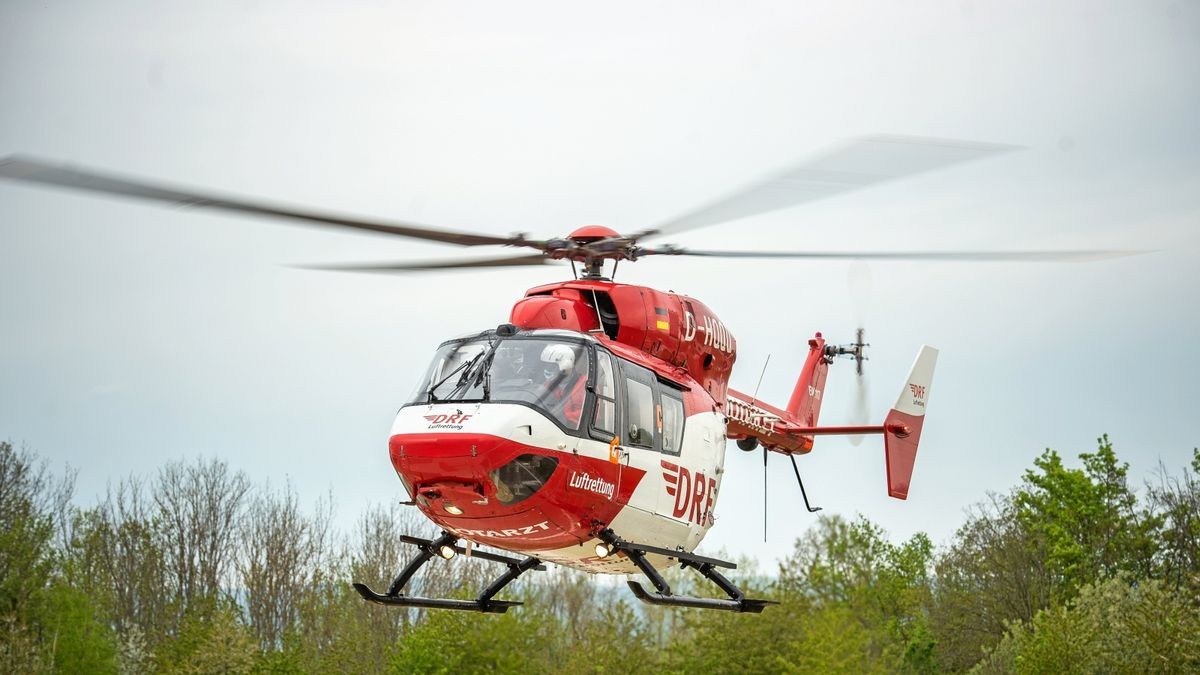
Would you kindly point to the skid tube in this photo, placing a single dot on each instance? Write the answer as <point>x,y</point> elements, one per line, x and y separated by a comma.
<point>707,567</point>
<point>431,548</point>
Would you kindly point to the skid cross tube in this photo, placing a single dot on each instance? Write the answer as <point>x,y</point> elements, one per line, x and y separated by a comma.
<point>431,548</point>
<point>707,567</point>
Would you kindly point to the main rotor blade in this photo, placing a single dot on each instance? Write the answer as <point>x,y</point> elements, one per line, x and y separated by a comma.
<point>39,171</point>
<point>860,163</point>
<point>981,256</point>
<point>527,260</point>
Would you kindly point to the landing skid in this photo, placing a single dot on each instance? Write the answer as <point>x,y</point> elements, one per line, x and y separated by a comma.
<point>430,548</point>
<point>737,601</point>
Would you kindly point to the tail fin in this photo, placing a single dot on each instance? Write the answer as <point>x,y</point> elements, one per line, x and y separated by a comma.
<point>805,404</point>
<point>902,429</point>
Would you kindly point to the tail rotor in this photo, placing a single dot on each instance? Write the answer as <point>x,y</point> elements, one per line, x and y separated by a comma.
<point>857,350</point>
<point>858,283</point>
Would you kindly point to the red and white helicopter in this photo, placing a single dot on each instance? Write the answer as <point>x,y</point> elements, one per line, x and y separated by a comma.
<point>590,430</point>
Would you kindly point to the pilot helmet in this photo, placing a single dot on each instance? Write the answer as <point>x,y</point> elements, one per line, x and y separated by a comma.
<point>557,358</point>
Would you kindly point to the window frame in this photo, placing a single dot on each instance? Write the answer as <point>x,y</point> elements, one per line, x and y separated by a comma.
<point>631,371</point>
<point>589,399</point>
<point>595,396</point>
<point>667,392</point>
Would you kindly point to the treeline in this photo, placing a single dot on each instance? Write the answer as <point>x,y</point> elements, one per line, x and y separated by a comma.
<point>197,570</point>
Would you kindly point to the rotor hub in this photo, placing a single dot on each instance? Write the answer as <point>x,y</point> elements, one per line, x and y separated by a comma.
<point>590,233</point>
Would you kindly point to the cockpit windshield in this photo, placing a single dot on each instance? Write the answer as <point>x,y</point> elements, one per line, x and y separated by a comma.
<point>549,374</point>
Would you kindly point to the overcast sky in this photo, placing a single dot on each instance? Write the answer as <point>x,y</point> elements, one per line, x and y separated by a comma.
<point>131,335</point>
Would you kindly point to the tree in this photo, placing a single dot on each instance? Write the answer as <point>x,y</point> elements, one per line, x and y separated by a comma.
<point>1085,520</point>
<point>76,633</point>
<point>199,507</point>
<point>458,642</point>
<point>115,554</point>
<point>282,550</point>
<point>1115,626</point>
<point>29,497</point>
<point>29,500</point>
<point>1177,502</point>
<point>211,641</point>
<point>989,576</point>
<point>853,565</point>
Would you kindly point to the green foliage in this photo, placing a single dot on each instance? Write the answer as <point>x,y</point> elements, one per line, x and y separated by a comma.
<point>887,586</point>
<point>988,577</point>
<point>1113,627</point>
<point>1085,521</point>
<point>609,641</point>
<point>338,632</point>
<point>458,642</point>
<point>211,639</point>
<point>33,617</point>
<point>1069,572</point>
<point>1176,501</point>
<point>26,531</point>
<point>80,640</point>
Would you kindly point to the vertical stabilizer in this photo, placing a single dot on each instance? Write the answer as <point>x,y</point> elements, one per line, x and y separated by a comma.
<point>902,429</point>
<point>805,404</point>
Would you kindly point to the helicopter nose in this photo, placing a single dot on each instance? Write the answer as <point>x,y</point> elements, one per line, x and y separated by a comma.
<point>470,475</point>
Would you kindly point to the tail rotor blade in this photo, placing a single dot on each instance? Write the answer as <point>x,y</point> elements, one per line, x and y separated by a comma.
<point>860,412</point>
<point>858,282</point>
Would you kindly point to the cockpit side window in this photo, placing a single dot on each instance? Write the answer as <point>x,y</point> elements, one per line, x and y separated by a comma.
<point>640,414</point>
<point>641,421</point>
<point>604,419</point>
<point>672,423</point>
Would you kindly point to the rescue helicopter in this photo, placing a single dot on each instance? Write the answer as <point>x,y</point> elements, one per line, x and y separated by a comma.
<point>590,429</point>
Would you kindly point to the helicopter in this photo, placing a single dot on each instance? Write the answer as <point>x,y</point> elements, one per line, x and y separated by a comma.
<point>590,429</point>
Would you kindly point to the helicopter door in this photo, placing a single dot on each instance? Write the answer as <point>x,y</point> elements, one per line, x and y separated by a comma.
<point>641,427</point>
<point>636,427</point>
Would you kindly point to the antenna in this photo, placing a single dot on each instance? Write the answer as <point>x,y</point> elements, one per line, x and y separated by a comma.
<point>754,398</point>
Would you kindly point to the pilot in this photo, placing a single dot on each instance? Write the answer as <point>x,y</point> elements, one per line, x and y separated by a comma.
<point>511,363</point>
<point>565,384</point>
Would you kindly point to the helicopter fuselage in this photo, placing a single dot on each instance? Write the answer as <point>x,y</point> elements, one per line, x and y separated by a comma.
<point>492,448</point>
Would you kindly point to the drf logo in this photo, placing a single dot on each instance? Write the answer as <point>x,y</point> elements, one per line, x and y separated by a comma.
<point>454,421</point>
<point>918,392</point>
<point>693,493</point>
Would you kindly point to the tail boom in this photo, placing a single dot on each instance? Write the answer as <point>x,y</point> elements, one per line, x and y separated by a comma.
<point>783,431</point>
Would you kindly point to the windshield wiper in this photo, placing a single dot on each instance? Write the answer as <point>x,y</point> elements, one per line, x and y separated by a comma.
<point>478,371</point>
<point>487,372</point>
<point>465,365</point>
<point>468,370</point>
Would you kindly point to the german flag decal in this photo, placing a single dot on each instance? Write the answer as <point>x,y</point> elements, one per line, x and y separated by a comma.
<point>664,322</point>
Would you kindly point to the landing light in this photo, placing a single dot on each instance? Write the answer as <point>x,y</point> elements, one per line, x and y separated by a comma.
<point>446,551</point>
<point>602,550</point>
<point>452,509</point>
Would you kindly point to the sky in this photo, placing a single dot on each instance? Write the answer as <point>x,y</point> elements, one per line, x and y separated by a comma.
<point>132,335</point>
